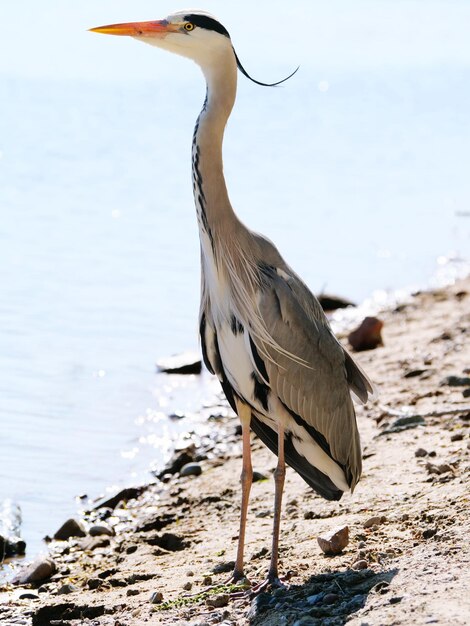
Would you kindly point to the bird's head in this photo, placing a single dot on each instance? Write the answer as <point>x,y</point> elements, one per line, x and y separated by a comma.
<point>193,34</point>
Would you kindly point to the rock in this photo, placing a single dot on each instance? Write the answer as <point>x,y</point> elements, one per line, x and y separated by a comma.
<point>156,598</point>
<point>101,529</point>
<point>456,381</point>
<point>94,583</point>
<point>28,595</point>
<point>191,469</point>
<point>70,528</point>
<point>185,363</point>
<point>429,532</point>
<point>40,570</point>
<point>218,601</point>
<point>334,541</point>
<point>361,564</point>
<point>315,599</point>
<point>91,543</point>
<point>466,393</point>
<point>188,586</point>
<point>132,592</point>
<point>257,476</point>
<point>331,303</point>
<point>207,581</point>
<point>367,336</point>
<point>12,546</point>
<point>330,598</point>
<point>457,437</point>
<point>414,373</point>
<point>420,452</point>
<point>178,460</point>
<point>404,423</point>
<point>129,493</point>
<point>223,568</point>
<point>443,468</point>
<point>376,520</point>
<point>66,589</point>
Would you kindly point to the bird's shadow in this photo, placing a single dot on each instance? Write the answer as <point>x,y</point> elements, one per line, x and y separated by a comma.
<point>326,599</point>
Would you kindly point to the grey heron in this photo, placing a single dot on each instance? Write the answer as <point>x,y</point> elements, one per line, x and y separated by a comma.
<point>263,333</point>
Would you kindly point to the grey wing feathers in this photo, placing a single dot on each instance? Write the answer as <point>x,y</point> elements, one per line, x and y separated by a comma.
<point>314,382</point>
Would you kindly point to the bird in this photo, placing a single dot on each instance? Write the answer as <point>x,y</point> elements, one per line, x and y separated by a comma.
<point>263,333</point>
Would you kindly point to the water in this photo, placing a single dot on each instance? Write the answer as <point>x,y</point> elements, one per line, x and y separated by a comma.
<point>361,178</point>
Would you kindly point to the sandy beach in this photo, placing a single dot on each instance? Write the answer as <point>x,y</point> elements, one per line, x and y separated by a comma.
<point>162,553</point>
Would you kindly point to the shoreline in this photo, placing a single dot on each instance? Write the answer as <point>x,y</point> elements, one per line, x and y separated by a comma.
<point>188,524</point>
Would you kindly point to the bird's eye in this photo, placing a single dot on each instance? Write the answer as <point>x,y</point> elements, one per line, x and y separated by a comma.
<point>188,27</point>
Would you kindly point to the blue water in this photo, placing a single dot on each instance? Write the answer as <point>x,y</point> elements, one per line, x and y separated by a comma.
<point>361,178</point>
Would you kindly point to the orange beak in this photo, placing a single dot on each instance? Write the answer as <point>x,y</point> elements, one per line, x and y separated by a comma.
<point>138,29</point>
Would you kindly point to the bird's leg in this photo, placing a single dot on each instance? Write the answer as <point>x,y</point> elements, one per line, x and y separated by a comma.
<point>246,479</point>
<point>279,477</point>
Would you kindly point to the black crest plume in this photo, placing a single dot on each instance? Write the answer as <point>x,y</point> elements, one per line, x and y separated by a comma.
<point>245,73</point>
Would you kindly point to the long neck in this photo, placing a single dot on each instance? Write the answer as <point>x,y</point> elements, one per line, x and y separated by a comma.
<point>213,207</point>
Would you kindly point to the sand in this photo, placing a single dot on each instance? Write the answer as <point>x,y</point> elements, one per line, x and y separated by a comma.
<point>176,541</point>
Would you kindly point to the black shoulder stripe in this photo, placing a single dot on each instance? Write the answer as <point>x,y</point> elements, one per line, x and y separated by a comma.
<point>209,23</point>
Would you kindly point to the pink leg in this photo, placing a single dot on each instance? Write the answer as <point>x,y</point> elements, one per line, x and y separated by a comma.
<point>246,479</point>
<point>279,477</point>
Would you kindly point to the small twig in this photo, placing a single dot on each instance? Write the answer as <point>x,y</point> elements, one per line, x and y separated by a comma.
<point>437,413</point>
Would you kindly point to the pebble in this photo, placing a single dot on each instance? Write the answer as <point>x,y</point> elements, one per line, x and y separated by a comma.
<point>132,592</point>
<point>207,580</point>
<point>218,601</point>
<point>361,545</point>
<point>358,565</point>
<point>315,598</point>
<point>191,469</point>
<point>188,586</point>
<point>456,381</point>
<point>420,452</point>
<point>66,589</point>
<point>35,572</point>
<point>101,529</point>
<point>330,598</point>
<point>28,595</point>
<point>376,520</point>
<point>257,476</point>
<point>457,437</point>
<point>94,583</point>
<point>185,363</point>
<point>334,541</point>
<point>367,336</point>
<point>156,597</point>
<point>70,528</point>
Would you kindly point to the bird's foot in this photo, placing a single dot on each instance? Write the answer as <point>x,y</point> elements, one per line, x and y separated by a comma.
<point>238,583</point>
<point>272,581</point>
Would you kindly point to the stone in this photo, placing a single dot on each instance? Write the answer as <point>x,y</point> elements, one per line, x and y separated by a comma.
<point>188,586</point>
<point>28,595</point>
<point>101,529</point>
<point>334,541</point>
<point>361,564</point>
<point>129,493</point>
<point>156,597</point>
<point>367,336</point>
<point>420,453</point>
<point>66,589</point>
<point>457,437</point>
<point>184,363</point>
<point>132,592</point>
<point>94,583</point>
<point>218,601</point>
<point>70,528</point>
<point>191,469</point>
<point>331,303</point>
<point>376,520</point>
<point>330,598</point>
<point>179,458</point>
<point>40,570</point>
<point>456,381</point>
<point>258,476</point>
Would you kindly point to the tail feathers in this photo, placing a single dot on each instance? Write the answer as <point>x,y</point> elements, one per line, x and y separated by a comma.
<point>318,481</point>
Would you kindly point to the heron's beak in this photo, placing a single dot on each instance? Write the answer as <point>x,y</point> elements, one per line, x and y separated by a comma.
<point>138,29</point>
